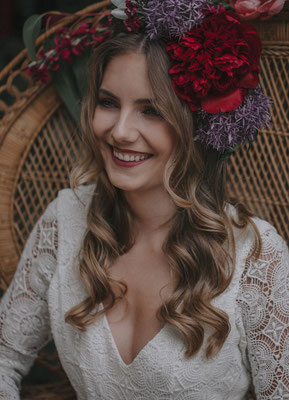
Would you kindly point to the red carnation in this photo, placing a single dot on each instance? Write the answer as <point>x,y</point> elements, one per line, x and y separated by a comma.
<point>215,64</point>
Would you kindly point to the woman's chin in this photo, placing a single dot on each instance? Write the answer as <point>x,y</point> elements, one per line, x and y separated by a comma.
<point>129,185</point>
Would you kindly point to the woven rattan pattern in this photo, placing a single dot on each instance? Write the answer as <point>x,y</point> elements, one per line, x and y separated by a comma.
<point>44,172</point>
<point>16,88</point>
<point>260,177</point>
<point>35,133</point>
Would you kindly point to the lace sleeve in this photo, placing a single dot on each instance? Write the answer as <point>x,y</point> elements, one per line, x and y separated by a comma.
<point>264,305</point>
<point>24,318</point>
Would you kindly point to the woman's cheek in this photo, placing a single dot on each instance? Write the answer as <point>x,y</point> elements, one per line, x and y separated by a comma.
<point>101,123</point>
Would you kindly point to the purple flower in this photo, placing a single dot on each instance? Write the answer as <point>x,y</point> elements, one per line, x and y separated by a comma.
<point>224,131</point>
<point>173,18</point>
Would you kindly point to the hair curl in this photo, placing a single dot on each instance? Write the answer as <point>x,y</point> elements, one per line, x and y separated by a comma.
<point>201,230</point>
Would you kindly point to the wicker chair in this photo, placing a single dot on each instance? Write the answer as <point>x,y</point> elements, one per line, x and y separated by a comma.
<point>35,139</point>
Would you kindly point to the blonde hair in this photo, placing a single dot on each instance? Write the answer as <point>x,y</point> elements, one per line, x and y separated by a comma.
<point>195,178</point>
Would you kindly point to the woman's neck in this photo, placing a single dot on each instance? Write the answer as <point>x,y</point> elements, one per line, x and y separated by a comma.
<point>152,212</point>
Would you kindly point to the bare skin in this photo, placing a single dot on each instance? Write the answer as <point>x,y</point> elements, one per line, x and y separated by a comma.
<point>133,321</point>
<point>146,272</point>
<point>126,123</point>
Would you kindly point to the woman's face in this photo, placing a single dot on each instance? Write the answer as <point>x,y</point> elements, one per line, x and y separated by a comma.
<point>135,141</point>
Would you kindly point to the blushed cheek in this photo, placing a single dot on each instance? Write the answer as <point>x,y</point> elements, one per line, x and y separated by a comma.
<point>103,151</point>
<point>98,125</point>
<point>95,128</point>
<point>103,122</point>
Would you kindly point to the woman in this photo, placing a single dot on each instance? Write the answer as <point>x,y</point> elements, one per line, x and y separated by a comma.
<point>151,283</point>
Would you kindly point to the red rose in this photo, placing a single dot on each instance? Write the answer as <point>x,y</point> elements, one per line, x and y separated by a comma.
<point>215,64</point>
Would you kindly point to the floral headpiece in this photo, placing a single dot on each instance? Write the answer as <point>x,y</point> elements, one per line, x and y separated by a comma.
<point>214,62</point>
<point>214,65</point>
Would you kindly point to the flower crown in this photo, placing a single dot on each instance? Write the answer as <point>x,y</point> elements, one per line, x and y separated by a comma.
<point>214,65</point>
<point>214,62</point>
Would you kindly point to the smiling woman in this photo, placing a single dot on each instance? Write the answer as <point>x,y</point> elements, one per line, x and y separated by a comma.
<point>134,140</point>
<point>154,283</point>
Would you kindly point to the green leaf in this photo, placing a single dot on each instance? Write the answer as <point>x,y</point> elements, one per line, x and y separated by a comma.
<point>31,31</point>
<point>66,86</point>
<point>117,13</point>
<point>119,4</point>
<point>227,154</point>
<point>79,67</point>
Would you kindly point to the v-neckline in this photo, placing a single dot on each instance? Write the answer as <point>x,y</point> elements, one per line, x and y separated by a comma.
<point>142,350</point>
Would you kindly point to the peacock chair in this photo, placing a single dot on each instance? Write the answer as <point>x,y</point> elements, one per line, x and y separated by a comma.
<point>38,140</point>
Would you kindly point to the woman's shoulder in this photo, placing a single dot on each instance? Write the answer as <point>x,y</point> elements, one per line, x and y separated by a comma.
<point>266,230</point>
<point>82,193</point>
<point>273,254</point>
<point>74,200</point>
<point>70,204</point>
<point>272,261</point>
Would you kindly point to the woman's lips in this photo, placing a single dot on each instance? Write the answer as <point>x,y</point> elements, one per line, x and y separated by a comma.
<point>129,164</point>
<point>128,151</point>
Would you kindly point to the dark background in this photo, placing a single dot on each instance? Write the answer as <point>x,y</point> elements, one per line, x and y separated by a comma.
<point>13,14</point>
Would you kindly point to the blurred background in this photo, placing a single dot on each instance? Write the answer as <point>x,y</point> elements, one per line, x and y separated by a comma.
<point>13,14</point>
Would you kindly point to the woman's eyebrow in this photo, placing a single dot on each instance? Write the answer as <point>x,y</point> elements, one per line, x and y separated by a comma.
<point>138,101</point>
<point>108,93</point>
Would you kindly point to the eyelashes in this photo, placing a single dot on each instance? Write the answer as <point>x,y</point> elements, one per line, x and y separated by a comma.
<point>146,110</point>
<point>106,103</point>
<point>152,111</point>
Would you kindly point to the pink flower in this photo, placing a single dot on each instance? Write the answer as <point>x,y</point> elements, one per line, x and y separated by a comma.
<point>262,9</point>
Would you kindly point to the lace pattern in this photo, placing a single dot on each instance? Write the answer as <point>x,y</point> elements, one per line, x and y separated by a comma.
<point>264,305</point>
<point>24,317</point>
<point>47,284</point>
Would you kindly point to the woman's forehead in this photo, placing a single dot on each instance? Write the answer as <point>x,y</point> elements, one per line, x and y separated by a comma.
<point>128,73</point>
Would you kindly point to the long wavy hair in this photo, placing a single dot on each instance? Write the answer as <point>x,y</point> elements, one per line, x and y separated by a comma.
<point>201,233</point>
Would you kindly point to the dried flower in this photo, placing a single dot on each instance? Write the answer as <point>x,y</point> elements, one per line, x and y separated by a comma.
<point>67,45</point>
<point>173,18</point>
<point>224,131</point>
<point>37,73</point>
<point>132,23</point>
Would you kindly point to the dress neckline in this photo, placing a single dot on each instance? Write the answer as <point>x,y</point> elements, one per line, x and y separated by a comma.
<point>142,350</point>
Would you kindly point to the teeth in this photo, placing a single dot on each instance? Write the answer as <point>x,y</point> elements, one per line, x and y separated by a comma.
<point>127,157</point>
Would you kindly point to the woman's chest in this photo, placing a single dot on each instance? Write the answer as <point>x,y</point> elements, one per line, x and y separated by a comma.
<point>97,370</point>
<point>93,362</point>
<point>133,320</point>
<point>159,370</point>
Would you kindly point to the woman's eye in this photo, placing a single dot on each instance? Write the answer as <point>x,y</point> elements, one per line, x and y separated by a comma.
<point>151,111</point>
<point>106,103</point>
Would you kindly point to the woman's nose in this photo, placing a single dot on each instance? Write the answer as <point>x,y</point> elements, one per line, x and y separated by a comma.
<point>124,128</point>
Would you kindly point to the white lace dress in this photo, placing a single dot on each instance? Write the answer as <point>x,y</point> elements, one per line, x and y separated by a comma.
<point>47,284</point>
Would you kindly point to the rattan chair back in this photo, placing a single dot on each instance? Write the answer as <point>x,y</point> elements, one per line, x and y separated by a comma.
<point>38,140</point>
<point>260,177</point>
